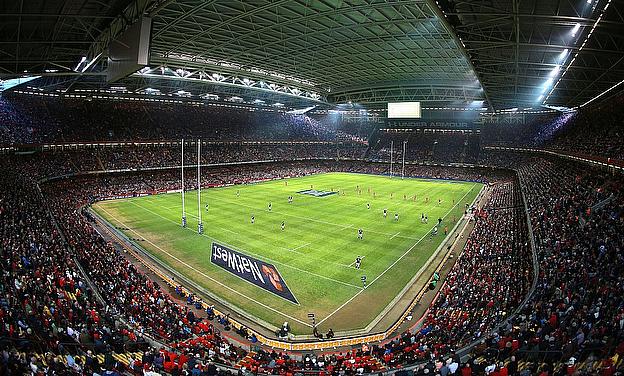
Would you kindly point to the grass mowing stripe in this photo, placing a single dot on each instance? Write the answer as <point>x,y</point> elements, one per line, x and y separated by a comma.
<point>294,250</point>
<point>204,274</point>
<point>252,253</point>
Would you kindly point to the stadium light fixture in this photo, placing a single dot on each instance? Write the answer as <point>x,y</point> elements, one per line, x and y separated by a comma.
<point>303,110</point>
<point>182,72</point>
<point>222,63</point>
<point>555,71</point>
<point>563,54</point>
<point>575,29</point>
<point>91,62</point>
<point>210,96</point>
<point>82,60</point>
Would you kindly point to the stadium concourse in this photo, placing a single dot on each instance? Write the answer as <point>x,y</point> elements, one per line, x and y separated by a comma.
<point>72,303</point>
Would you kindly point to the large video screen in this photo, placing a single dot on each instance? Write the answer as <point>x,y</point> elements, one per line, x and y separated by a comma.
<point>130,51</point>
<point>403,110</point>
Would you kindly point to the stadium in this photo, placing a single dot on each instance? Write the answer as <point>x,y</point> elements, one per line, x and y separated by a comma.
<point>287,187</point>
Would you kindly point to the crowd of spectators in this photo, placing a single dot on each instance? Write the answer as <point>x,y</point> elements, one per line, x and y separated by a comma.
<point>578,221</point>
<point>573,322</point>
<point>428,146</point>
<point>139,157</point>
<point>591,131</point>
<point>18,126</point>
<point>47,305</point>
<point>68,295</point>
<point>513,130</point>
<point>356,361</point>
<point>483,289</point>
<point>605,124</point>
<point>26,119</point>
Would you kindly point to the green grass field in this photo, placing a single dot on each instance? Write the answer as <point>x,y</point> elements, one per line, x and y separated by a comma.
<point>316,251</point>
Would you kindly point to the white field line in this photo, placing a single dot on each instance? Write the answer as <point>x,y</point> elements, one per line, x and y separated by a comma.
<point>252,253</point>
<point>219,227</point>
<point>308,219</point>
<point>207,276</point>
<point>228,230</point>
<point>294,250</point>
<point>392,237</point>
<point>394,263</point>
<point>301,246</point>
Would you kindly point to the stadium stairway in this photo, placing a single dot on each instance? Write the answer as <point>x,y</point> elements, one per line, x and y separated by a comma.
<point>378,364</point>
<point>590,366</point>
<point>99,162</point>
<point>121,358</point>
<point>246,361</point>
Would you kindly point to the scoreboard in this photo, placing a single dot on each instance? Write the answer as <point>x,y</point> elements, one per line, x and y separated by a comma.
<point>404,110</point>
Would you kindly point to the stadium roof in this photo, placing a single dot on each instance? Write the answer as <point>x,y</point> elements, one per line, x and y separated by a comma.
<point>331,51</point>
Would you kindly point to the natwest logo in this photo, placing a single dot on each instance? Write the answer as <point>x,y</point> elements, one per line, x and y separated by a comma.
<point>252,270</point>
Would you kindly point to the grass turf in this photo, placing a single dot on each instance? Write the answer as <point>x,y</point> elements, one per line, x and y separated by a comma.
<point>316,250</point>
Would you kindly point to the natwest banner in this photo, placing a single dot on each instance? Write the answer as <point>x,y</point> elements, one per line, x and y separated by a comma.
<point>252,270</point>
